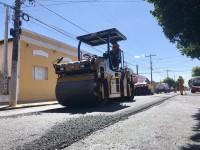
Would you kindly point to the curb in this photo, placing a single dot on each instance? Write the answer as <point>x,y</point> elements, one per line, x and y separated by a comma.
<point>19,106</point>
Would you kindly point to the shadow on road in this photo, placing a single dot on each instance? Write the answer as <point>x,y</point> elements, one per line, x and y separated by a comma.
<point>191,94</point>
<point>196,137</point>
<point>113,106</point>
<point>70,130</point>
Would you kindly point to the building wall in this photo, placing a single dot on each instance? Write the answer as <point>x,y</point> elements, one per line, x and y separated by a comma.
<point>49,50</point>
<point>39,51</point>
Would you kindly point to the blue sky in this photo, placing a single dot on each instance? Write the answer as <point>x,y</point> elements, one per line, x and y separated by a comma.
<point>132,18</point>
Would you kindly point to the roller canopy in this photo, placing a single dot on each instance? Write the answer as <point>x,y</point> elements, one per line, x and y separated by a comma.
<point>101,37</point>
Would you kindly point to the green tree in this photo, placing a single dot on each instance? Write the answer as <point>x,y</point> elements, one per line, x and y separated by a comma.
<point>189,82</point>
<point>196,71</point>
<point>180,22</point>
<point>170,81</point>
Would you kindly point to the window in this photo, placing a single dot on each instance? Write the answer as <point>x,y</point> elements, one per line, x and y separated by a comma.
<point>39,73</point>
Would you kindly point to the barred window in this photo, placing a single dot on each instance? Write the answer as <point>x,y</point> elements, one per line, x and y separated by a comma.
<point>40,73</point>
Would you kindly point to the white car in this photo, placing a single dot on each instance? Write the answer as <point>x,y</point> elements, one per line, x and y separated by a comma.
<point>162,87</point>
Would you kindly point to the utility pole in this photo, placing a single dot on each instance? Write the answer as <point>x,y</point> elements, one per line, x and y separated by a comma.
<point>5,61</point>
<point>14,67</point>
<point>167,73</point>
<point>151,66</point>
<point>137,69</point>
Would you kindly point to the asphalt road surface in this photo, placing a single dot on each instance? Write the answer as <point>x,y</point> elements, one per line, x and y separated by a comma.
<point>172,125</point>
<point>163,121</point>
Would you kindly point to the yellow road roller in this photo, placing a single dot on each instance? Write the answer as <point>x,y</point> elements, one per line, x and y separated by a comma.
<point>93,80</point>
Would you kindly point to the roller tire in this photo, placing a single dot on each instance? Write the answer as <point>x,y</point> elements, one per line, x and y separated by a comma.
<point>130,93</point>
<point>100,101</point>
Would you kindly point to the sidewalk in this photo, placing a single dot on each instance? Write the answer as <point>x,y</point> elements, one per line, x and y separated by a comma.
<point>5,105</point>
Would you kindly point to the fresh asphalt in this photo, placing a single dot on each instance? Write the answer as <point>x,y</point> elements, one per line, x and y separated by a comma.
<point>172,125</point>
<point>57,127</point>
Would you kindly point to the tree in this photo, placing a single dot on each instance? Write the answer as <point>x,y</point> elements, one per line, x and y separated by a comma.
<point>189,82</point>
<point>180,22</point>
<point>196,71</point>
<point>170,81</point>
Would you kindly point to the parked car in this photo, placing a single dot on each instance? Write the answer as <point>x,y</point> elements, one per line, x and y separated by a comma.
<point>162,87</point>
<point>195,84</point>
<point>142,86</point>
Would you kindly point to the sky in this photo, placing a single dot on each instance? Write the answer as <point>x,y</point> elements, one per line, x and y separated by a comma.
<point>64,20</point>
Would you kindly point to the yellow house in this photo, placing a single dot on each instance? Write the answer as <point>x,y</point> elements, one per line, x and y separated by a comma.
<point>37,78</point>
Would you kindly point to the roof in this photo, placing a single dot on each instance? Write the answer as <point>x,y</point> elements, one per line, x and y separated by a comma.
<point>99,38</point>
<point>2,41</point>
<point>194,77</point>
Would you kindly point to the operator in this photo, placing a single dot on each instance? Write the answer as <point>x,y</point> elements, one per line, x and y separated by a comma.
<point>115,53</point>
<point>115,46</point>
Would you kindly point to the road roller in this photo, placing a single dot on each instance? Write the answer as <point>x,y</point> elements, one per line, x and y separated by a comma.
<point>93,80</point>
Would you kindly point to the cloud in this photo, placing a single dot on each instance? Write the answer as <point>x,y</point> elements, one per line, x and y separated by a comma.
<point>137,57</point>
<point>142,55</point>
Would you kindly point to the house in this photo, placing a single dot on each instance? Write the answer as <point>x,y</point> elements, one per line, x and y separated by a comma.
<point>36,78</point>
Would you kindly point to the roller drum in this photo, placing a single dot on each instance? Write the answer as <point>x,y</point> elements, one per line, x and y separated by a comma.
<point>76,93</point>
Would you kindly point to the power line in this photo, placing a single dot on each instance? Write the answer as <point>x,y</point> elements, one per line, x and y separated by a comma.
<point>62,31</point>
<point>170,71</point>
<point>61,2</point>
<point>40,21</point>
<point>72,22</point>
<point>67,20</point>
<point>63,18</point>
<point>83,1</point>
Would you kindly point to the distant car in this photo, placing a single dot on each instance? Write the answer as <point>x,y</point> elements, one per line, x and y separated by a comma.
<point>142,85</point>
<point>195,84</point>
<point>162,87</point>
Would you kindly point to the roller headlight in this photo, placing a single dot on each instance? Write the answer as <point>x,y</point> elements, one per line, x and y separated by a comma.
<point>82,65</point>
<point>62,68</point>
<point>71,66</point>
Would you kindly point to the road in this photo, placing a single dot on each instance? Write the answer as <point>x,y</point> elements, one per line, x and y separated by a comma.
<point>163,121</point>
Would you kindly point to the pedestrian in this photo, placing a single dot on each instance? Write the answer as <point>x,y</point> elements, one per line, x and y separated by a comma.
<point>181,87</point>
